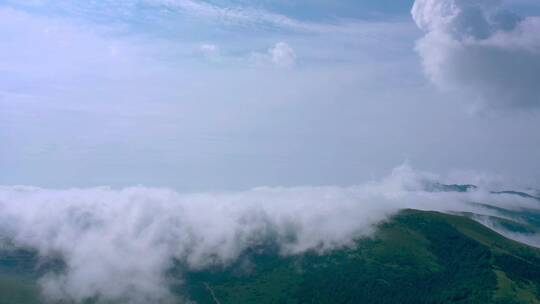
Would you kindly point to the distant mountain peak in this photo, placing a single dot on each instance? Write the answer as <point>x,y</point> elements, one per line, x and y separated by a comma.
<point>439,187</point>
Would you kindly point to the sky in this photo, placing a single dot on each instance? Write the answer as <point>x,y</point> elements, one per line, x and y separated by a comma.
<point>234,94</point>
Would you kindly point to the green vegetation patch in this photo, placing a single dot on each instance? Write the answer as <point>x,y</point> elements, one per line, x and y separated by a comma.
<point>417,257</point>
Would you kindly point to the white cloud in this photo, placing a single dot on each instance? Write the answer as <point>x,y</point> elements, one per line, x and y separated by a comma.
<point>118,244</point>
<point>209,49</point>
<point>479,48</point>
<point>282,55</point>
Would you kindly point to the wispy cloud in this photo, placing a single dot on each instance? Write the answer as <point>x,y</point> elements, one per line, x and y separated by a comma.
<point>239,15</point>
<point>243,15</point>
<point>247,16</point>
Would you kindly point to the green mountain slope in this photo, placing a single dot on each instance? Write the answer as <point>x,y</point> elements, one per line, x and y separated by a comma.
<point>416,257</point>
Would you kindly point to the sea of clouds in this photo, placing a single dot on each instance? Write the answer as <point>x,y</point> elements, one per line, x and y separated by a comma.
<point>118,244</point>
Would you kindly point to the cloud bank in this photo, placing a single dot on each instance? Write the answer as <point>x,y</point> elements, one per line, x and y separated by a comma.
<point>119,244</point>
<point>482,49</point>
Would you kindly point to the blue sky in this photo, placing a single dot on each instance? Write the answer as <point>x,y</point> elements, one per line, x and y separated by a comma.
<point>214,95</point>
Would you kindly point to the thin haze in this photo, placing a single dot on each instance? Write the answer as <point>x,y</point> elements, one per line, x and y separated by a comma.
<point>230,95</point>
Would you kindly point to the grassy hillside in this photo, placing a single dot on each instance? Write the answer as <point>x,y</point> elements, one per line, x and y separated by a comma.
<point>417,257</point>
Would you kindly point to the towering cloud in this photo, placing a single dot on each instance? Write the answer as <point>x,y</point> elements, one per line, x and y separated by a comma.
<point>481,49</point>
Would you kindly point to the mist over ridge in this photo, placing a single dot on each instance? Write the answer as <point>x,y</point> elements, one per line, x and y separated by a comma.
<point>120,244</point>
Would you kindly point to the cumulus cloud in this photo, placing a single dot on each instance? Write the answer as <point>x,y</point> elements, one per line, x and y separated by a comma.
<point>482,49</point>
<point>281,55</point>
<point>119,244</point>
